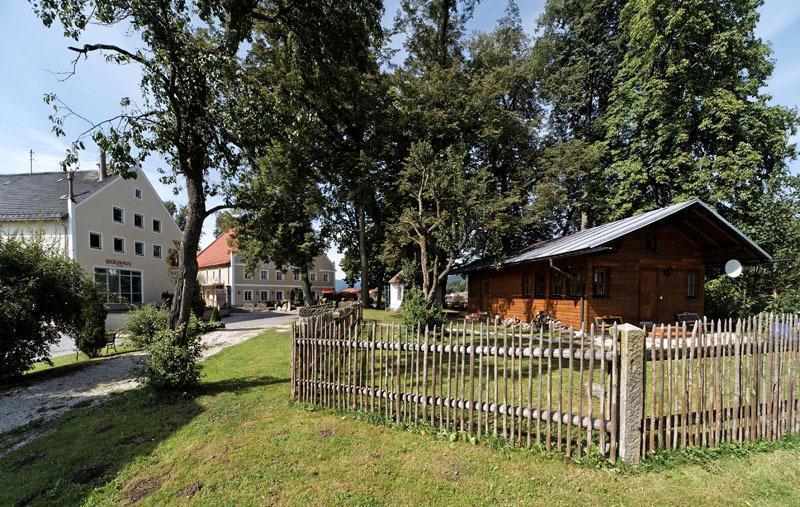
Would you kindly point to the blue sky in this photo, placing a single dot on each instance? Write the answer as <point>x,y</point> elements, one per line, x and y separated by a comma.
<point>33,56</point>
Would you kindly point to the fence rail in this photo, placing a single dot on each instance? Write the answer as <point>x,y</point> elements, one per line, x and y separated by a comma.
<point>612,391</point>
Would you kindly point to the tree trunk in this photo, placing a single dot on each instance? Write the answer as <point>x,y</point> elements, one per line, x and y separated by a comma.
<point>362,254</point>
<point>309,299</point>
<point>187,253</point>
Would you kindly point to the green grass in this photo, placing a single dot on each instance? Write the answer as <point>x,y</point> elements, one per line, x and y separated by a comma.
<point>238,440</point>
<point>382,316</point>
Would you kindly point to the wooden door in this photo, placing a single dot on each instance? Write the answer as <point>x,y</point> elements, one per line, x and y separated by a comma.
<point>648,295</point>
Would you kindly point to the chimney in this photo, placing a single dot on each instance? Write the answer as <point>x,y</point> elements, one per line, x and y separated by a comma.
<point>103,170</point>
<point>71,195</point>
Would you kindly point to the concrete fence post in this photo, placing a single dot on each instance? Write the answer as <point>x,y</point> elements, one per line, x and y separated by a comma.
<point>631,341</point>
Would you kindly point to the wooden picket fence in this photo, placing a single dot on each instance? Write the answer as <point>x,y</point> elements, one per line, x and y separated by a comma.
<point>559,389</point>
<point>723,381</point>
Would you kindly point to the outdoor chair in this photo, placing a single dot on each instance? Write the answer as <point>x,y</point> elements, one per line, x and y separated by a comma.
<point>111,341</point>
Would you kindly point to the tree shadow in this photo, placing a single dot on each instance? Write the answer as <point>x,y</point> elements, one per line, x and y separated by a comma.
<point>68,457</point>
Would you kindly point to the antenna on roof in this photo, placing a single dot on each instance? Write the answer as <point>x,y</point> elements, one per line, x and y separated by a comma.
<point>31,157</point>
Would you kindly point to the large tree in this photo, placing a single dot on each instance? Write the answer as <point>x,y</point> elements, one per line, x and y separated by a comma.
<point>194,112</point>
<point>686,116</point>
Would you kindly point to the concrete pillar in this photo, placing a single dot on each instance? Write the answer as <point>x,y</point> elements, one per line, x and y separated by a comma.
<point>631,341</point>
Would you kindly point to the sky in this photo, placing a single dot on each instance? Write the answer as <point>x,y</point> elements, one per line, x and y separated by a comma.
<point>36,57</point>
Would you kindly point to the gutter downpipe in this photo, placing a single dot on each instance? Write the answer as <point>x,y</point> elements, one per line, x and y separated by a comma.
<point>73,227</point>
<point>581,298</point>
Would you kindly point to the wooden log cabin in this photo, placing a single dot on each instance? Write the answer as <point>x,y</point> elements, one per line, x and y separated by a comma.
<point>644,269</point>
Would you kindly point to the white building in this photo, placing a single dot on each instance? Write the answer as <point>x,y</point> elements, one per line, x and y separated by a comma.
<point>224,279</point>
<point>118,230</point>
<point>396,291</point>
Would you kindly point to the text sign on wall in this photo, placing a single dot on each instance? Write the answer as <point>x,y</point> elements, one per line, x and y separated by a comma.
<point>117,262</point>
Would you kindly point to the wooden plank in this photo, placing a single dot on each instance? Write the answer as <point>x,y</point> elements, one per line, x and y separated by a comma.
<point>496,383</point>
<point>614,395</point>
<point>589,392</point>
<point>685,387</point>
<point>463,395</point>
<point>530,385</point>
<point>520,402</point>
<point>480,377</point>
<point>570,384</point>
<point>449,376</point>
<point>397,404</point>
<point>505,381</point>
<point>470,425</point>
<point>513,390</point>
<point>671,433</point>
<point>541,381</point>
<point>425,374</point>
<point>662,379</point>
<point>604,382</point>
<point>549,428</point>
<point>579,437</point>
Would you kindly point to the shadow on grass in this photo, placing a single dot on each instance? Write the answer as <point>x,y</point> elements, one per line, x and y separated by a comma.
<point>87,447</point>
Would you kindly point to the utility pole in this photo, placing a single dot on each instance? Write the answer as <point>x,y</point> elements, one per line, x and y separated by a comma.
<point>31,157</point>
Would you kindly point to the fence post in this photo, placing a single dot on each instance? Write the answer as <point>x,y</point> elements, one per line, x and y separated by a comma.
<point>631,391</point>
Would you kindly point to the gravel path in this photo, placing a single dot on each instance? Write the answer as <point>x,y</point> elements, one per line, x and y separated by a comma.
<point>94,383</point>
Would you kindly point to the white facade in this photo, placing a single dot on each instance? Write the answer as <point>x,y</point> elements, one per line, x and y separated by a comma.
<point>395,296</point>
<point>121,234</point>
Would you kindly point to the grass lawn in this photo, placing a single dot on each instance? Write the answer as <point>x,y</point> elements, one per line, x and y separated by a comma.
<point>382,316</point>
<point>240,440</point>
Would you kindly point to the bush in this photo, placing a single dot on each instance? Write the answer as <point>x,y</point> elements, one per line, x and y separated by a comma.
<point>145,322</point>
<point>172,362</point>
<point>416,310</point>
<point>214,317</point>
<point>198,303</point>
<point>40,293</point>
<point>89,330</point>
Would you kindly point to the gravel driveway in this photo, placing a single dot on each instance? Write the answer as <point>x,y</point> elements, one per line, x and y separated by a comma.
<point>94,383</point>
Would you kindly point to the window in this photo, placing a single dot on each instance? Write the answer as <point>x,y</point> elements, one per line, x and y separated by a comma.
<point>119,245</point>
<point>527,280</point>
<point>120,284</point>
<point>279,295</point>
<point>96,240</point>
<point>157,251</point>
<point>691,285</point>
<point>138,248</point>
<point>279,275</point>
<point>575,284</point>
<point>137,193</point>
<point>539,289</point>
<point>296,276</point>
<point>156,225</point>
<point>600,279</point>
<point>264,295</point>
<point>650,241</point>
<point>118,215</point>
<point>138,221</point>
<point>325,277</point>
<point>264,274</point>
<point>248,295</point>
<point>313,277</point>
<point>556,284</point>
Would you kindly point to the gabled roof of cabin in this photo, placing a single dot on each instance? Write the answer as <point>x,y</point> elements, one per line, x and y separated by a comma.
<point>696,219</point>
<point>43,196</point>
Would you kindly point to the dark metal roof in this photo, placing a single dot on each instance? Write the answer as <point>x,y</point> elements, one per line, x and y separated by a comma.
<point>43,196</point>
<point>594,238</point>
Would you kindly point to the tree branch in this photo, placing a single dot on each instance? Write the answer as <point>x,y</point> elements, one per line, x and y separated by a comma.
<point>220,207</point>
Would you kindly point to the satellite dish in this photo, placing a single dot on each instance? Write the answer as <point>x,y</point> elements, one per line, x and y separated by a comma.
<point>733,268</point>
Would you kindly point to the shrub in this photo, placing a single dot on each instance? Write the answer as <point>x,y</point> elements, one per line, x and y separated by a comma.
<point>172,362</point>
<point>416,310</point>
<point>198,303</point>
<point>145,322</point>
<point>214,317</point>
<point>39,299</point>
<point>89,330</point>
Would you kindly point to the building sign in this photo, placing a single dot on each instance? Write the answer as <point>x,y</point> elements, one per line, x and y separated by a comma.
<point>117,262</point>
